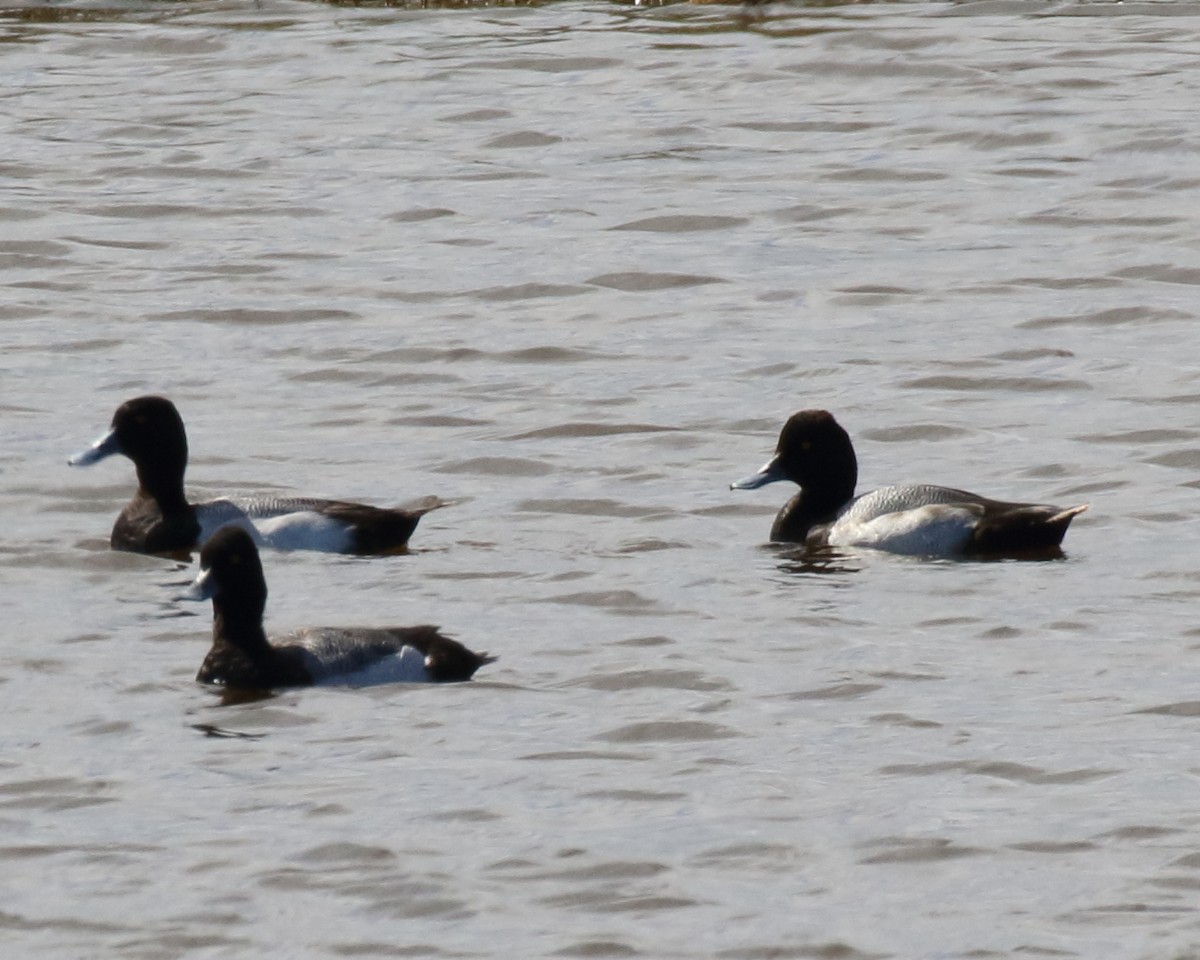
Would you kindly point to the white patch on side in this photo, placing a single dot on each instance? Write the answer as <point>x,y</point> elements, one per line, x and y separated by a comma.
<point>272,524</point>
<point>405,666</point>
<point>940,529</point>
<point>305,531</point>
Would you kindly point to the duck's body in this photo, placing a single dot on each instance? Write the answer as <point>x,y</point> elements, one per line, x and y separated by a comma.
<point>354,656</point>
<point>242,657</point>
<point>816,453</point>
<point>305,523</point>
<point>160,520</point>
<point>941,521</point>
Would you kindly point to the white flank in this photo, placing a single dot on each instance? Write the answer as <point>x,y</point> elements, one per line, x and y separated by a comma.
<point>298,529</point>
<point>305,531</point>
<point>934,530</point>
<point>405,666</point>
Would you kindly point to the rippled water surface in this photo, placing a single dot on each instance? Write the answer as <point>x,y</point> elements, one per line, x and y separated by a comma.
<point>575,265</point>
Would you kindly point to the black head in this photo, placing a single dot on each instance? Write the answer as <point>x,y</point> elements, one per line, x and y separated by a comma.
<point>150,429</point>
<point>448,661</point>
<point>814,452</point>
<point>813,447</point>
<point>231,575</point>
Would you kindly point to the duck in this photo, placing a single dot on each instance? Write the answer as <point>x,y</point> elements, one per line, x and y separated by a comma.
<point>242,658</point>
<point>160,520</point>
<point>815,452</point>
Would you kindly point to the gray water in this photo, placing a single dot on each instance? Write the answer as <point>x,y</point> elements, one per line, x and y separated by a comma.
<point>575,265</point>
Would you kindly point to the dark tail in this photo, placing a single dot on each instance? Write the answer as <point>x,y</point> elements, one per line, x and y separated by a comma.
<point>1024,530</point>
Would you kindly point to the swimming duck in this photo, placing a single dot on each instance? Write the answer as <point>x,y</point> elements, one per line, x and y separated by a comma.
<point>159,519</point>
<point>242,657</point>
<point>815,452</point>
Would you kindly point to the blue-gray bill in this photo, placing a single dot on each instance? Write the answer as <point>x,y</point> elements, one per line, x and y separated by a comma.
<point>771,471</point>
<point>202,588</point>
<point>106,446</point>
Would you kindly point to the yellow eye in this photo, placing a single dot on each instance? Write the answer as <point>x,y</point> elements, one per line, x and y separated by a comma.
<point>806,446</point>
<point>235,560</point>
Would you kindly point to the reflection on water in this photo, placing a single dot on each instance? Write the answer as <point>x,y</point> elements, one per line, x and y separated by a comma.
<point>818,561</point>
<point>571,264</point>
<point>211,730</point>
